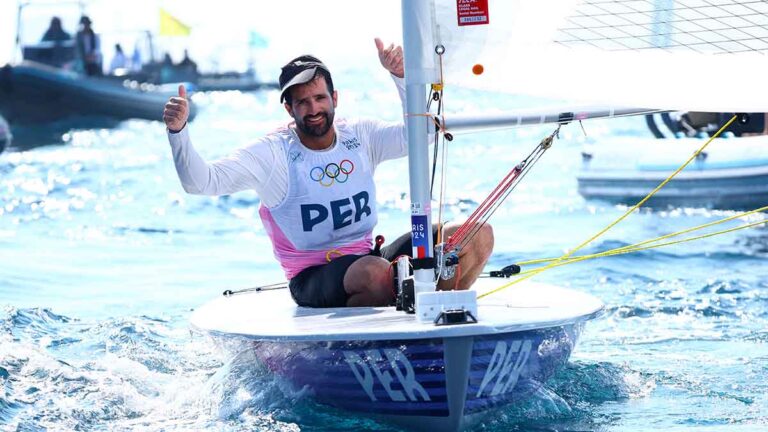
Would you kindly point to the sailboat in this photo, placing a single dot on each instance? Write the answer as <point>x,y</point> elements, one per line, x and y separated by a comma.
<point>460,356</point>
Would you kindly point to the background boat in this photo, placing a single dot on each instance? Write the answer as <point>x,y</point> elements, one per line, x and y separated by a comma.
<point>159,73</point>
<point>49,82</point>
<point>731,173</point>
<point>45,83</point>
<point>32,92</point>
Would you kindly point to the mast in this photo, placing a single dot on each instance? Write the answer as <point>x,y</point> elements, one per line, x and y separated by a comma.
<point>419,71</point>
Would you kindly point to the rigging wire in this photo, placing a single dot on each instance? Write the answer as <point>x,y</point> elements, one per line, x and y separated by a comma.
<point>621,218</point>
<point>493,201</point>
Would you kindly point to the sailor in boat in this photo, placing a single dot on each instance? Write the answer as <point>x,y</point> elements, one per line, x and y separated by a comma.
<point>315,181</point>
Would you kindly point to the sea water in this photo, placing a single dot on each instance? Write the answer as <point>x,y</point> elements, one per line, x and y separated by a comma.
<point>103,257</point>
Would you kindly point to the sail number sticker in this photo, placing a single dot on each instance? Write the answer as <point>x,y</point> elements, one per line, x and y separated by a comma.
<point>504,368</point>
<point>374,368</point>
<point>472,12</point>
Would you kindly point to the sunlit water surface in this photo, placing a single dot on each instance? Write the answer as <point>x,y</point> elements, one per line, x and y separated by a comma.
<point>104,257</point>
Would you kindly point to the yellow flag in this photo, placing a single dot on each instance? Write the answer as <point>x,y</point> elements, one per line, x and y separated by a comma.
<point>171,26</point>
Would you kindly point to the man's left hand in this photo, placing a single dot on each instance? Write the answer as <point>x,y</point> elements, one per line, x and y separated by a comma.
<point>391,58</point>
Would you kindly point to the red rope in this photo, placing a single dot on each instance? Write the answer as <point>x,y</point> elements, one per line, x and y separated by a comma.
<point>482,210</point>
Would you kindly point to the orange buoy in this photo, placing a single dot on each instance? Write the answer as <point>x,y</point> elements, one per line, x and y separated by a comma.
<point>477,69</point>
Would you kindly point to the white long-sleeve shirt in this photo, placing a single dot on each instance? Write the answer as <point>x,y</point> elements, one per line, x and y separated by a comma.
<point>263,165</point>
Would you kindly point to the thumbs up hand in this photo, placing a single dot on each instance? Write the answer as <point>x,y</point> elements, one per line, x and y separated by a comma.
<point>391,58</point>
<point>176,111</point>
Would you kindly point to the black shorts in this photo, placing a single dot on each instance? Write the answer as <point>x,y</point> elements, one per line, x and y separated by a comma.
<point>323,285</point>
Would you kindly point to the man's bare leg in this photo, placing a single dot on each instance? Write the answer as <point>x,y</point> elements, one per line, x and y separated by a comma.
<point>368,282</point>
<point>472,258</point>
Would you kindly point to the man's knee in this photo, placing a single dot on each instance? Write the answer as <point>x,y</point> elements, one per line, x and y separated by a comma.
<point>370,275</point>
<point>484,238</point>
<point>481,242</point>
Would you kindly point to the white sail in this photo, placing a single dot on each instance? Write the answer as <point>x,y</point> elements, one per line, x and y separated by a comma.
<point>693,55</point>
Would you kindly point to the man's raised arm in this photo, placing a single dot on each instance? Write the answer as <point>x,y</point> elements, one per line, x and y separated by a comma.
<point>242,170</point>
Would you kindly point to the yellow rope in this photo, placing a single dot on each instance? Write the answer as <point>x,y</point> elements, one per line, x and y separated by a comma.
<point>627,213</point>
<point>638,248</point>
<point>654,240</point>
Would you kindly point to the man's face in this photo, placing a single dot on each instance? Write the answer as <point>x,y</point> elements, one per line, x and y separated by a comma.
<point>312,107</point>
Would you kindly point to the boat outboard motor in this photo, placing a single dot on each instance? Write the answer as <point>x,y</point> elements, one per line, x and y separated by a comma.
<point>705,124</point>
<point>748,123</point>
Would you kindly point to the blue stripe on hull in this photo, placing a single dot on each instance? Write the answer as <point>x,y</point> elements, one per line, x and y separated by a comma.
<point>516,365</point>
<point>377,377</point>
<point>408,378</point>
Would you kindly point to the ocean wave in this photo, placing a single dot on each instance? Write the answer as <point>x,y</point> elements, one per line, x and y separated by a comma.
<point>570,400</point>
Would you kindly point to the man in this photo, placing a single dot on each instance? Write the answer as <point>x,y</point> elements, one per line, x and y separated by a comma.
<point>61,50</point>
<point>88,47</point>
<point>187,63</point>
<point>119,61</point>
<point>55,32</point>
<point>315,180</point>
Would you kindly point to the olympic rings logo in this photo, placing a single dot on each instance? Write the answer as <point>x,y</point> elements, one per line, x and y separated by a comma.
<point>333,172</point>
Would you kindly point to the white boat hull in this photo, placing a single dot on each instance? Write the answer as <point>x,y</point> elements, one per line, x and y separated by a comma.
<point>444,384</point>
<point>384,364</point>
<point>731,174</point>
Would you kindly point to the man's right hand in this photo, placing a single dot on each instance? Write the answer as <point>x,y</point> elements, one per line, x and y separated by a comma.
<point>177,111</point>
<point>391,58</point>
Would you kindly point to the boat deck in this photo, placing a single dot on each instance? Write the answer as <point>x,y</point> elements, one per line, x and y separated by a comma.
<point>272,315</point>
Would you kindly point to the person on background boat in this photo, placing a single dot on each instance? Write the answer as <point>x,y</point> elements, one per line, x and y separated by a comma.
<point>136,62</point>
<point>315,180</point>
<point>186,69</point>
<point>167,69</point>
<point>61,53</point>
<point>119,61</point>
<point>88,47</point>
<point>55,32</point>
<point>187,63</point>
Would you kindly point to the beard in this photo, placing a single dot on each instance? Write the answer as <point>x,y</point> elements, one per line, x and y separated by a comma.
<point>318,130</point>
